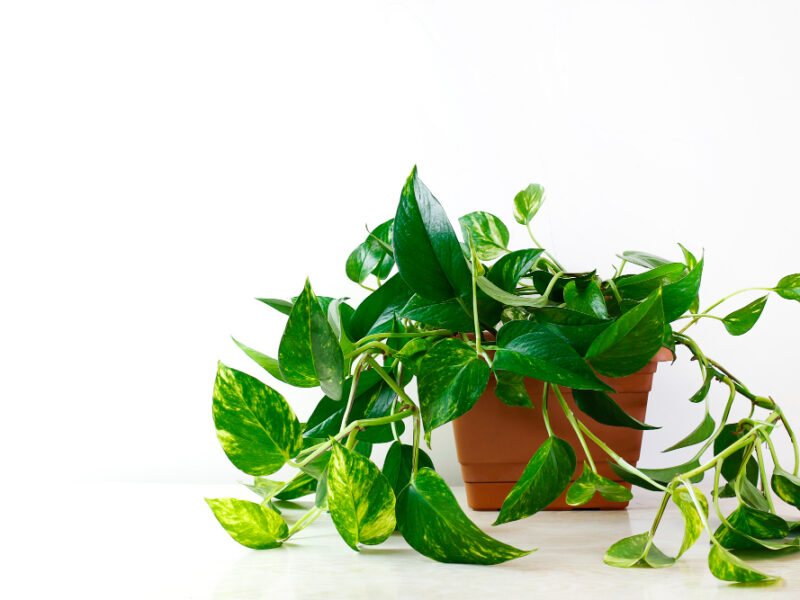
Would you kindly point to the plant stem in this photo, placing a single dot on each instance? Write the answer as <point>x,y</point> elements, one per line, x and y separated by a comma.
<point>740,443</point>
<point>369,346</point>
<point>415,444</point>
<point>573,422</point>
<point>764,484</point>
<point>475,320</point>
<point>390,382</point>
<point>794,443</point>
<point>724,418</point>
<point>701,316</point>
<point>551,284</point>
<point>716,304</point>
<point>369,289</point>
<point>403,334</point>
<point>351,397</point>
<point>615,291</point>
<point>545,417</point>
<point>618,271</point>
<point>550,256</point>
<point>304,521</point>
<point>772,450</point>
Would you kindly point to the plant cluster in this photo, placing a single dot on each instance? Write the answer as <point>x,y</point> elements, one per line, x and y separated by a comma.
<point>429,320</point>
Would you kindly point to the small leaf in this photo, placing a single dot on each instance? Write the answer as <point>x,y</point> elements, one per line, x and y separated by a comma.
<point>636,551</point>
<point>489,234</point>
<point>376,312</point>
<point>447,314</point>
<point>398,463</point>
<point>586,298</point>
<point>433,523</point>
<point>511,389</point>
<point>789,287</point>
<point>701,394</point>
<point>509,269</point>
<point>507,298</point>
<point>688,257</point>
<point>641,285</point>
<point>700,434</point>
<point>730,434</point>
<point>679,296</point>
<point>742,320</point>
<point>269,364</point>
<point>363,260</point>
<point>583,489</point>
<point>786,486</point>
<point>282,306</point>
<point>301,485</point>
<point>727,567</point>
<point>360,499</point>
<point>693,523</point>
<point>750,528</point>
<point>255,425</point>
<point>412,353</point>
<point>252,525</point>
<point>384,234</point>
<point>451,379</point>
<point>547,475</point>
<point>527,203</point>
<point>603,409</point>
<point>643,259</point>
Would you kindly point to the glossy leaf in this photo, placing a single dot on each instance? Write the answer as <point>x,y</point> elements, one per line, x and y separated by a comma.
<point>527,203</point>
<point>509,269</point>
<point>750,528</point>
<point>363,260</point>
<point>252,525</point>
<point>301,485</point>
<point>398,463</point>
<point>451,379</point>
<point>629,343</point>
<point>255,425</point>
<point>583,489</point>
<point>604,409</point>
<point>412,353</point>
<point>360,499</point>
<point>636,550</point>
<point>282,306</point>
<point>701,394</point>
<point>641,285</point>
<point>786,486</point>
<point>446,314</point>
<point>537,352</point>
<point>789,287</point>
<point>731,433</point>
<point>489,234</point>
<point>545,478</point>
<point>433,523</point>
<point>266,488</point>
<point>426,249</point>
<point>644,259</point>
<point>700,434</point>
<point>742,320</point>
<point>376,311</point>
<point>511,389</point>
<point>662,475</point>
<point>309,353</point>
<point>339,315</point>
<point>384,234</point>
<point>269,364</point>
<point>508,298</point>
<point>679,296</point>
<point>727,567</point>
<point>586,298</point>
<point>693,522</point>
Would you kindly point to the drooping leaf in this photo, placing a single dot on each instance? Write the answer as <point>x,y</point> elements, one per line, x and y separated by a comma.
<point>301,485</point>
<point>586,298</point>
<point>631,341</point>
<point>662,476</point>
<point>751,528</point>
<point>786,486</point>
<point>603,409</point>
<point>679,296</point>
<point>742,320</point>
<point>282,306</point>
<point>489,234</point>
<point>376,311</point>
<point>701,394</point>
<point>511,389</point>
<point>255,425</point>
<point>269,364</point>
<point>451,379</point>
<point>507,298</point>
<point>309,353</point>
<point>545,477</point>
<point>398,463</point>
<point>339,315</point>
<point>266,488</point>
<point>360,499</point>
<point>727,567</point>
<point>693,523</point>
<point>700,434</point>
<point>433,523</point>
<point>363,260</point>
<point>426,249</point>
<point>643,259</point>
<point>641,285</point>
<point>252,525</point>
<point>509,269</point>
<point>789,287</point>
<point>412,353</point>
<point>583,489</point>
<point>447,314</point>
<point>636,551</point>
<point>527,203</point>
<point>748,492</point>
<point>730,434</point>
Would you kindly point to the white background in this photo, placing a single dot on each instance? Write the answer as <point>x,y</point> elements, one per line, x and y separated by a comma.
<point>162,163</point>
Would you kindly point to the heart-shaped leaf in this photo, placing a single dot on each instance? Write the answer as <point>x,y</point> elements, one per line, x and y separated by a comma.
<point>412,353</point>
<point>255,425</point>
<point>700,434</point>
<point>377,311</point>
<point>426,249</point>
<point>509,269</point>
<point>727,567</point>
<point>252,525</point>
<point>488,233</point>
<point>451,379</point>
<point>603,409</point>
<point>742,320</point>
<point>693,522</point>
<point>447,314</point>
<point>545,477</point>
<point>679,296</point>
<point>749,527</point>
<point>433,523</point>
<point>787,486</point>
<point>511,389</point>
<point>789,287</point>
<point>269,364</point>
<point>584,487</point>
<point>527,203</point>
<point>636,551</point>
<point>586,298</point>
<point>398,464</point>
<point>360,498</point>
<point>363,260</point>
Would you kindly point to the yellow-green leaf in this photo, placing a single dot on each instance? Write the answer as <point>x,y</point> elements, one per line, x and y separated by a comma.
<point>250,524</point>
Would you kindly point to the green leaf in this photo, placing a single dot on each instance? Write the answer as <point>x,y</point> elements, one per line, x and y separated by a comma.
<point>789,287</point>
<point>309,353</point>
<point>679,296</point>
<point>339,315</point>
<point>786,486</point>
<point>255,425</point>
<point>266,362</point>
<point>750,528</point>
<point>629,343</point>
<point>701,394</point>
<point>489,234</point>
<point>636,551</point>
<point>530,349</point>
<point>727,567</point>
<point>433,523</point>
<point>643,259</point>
<point>398,463</point>
<point>700,434</point>
<point>688,257</point>
<point>693,523</point>
<point>426,249</point>
<point>376,311</point>
<point>641,285</point>
<point>603,409</point>
<point>250,524</point>
<point>283,306</point>
<point>583,489</point>
<point>545,477</point>
<point>748,492</point>
<point>451,379</point>
<point>729,435</point>
<point>412,353</point>
<point>509,269</point>
<point>586,298</point>
<point>511,389</point>
<point>742,320</point>
<point>509,299</point>
<point>527,203</point>
<point>363,260</point>
<point>384,234</point>
<point>266,488</point>
<point>662,476</point>
<point>360,499</point>
<point>301,485</point>
<point>447,314</point>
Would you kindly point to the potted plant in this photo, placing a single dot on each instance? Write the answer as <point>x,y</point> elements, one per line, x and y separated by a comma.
<point>455,322</point>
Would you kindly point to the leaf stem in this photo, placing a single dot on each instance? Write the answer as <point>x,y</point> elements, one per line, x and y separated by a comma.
<point>716,304</point>
<point>351,397</point>
<point>415,444</point>
<point>545,417</point>
<point>304,521</point>
<point>535,241</point>
<point>774,454</point>
<point>794,442</point>
<point>369,346</point>
<point>722,421</point>
<point>764,483</point>
<point>403,334</point>
<point>573,422</point>
<point>551,284</point>
<point>390,382</point>
<point>475,320</point>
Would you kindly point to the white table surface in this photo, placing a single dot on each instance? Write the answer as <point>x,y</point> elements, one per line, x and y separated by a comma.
<point>161,541</point>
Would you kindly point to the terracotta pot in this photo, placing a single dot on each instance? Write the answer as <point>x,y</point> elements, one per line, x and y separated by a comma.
<point>494,442</point>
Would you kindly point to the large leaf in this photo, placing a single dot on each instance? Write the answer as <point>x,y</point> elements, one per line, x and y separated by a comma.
<point>252,525</point>
<point>636,551</point>
<point>585,297</point>
<point>488,233</point>
<point>447,314</point>
<point>255,425</point>
<point>360,499</point>
<point>451,379</point>
<point>398,464</point>
<point>539,353</point>
<point>631,341</point>
<point>724,565</point>
<point>376,312</point>
<point>679,296</point>
<point>742,320</point>
<point>309,353</point>
<point>426,249</point>
<point>527,203</point>
<point>433,523</point>
<point>545,477</point>
<point>603,409</point>
<point>584,487</point>
<point>509,269</point>
<point>693,522</point>
<point>699,434</point>
<point>578,329</point>
<point>641,285</point>
<point>789,287</point>
<point>787,486</point>
<point>269,364</point>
